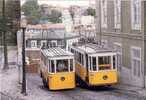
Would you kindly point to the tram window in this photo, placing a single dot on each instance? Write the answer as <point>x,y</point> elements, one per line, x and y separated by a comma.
<point>52,67</point>
<point>104,63</point>
<point>78,57</point>
<point>114,62</point>
<point>86,61</point>
<point>71,64</point>
<point>75,55</point>
<point>72,50</point>
<point>90,63</point>
<point>94,63</point>
<point>62,66</point>
<point>82,59</point>
<point>48,65</point>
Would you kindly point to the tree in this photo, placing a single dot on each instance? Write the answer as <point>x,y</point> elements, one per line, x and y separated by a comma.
<point>31,11</point>
<point>91,11</point>
<point>12,19</point>
<point>4,37</point>
<point>55,16</point>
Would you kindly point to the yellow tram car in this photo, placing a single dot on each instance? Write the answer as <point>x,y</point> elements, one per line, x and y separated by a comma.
<point>57,69</point>
<point>95,65</point>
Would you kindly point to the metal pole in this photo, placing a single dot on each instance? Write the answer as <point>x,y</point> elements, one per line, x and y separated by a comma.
<point>65,41</point>
<point>23,64</point>
<point>100,30</point>
<point>4,38</point>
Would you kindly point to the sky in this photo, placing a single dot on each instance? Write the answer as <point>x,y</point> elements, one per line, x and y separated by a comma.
<point>64,3</point>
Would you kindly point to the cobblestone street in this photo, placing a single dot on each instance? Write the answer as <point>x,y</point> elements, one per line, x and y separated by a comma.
<point>36,91</point>
<point>35,87</point>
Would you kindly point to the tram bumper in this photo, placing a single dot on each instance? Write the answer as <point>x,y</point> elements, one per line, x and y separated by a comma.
<point>103,78</point>
<point>62,80</point>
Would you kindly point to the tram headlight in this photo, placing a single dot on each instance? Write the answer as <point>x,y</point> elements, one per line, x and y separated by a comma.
<point>62,78</point>
<point>105,77</point>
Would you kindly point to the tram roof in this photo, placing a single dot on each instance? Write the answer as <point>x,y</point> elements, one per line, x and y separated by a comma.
<point>56,52</point>
<point>92,48</point>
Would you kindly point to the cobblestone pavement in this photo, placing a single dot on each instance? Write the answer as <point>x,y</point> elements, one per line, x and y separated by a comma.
<point>98,93</point>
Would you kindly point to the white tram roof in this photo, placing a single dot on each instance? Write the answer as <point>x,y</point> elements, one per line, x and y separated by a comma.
<point>91,48</point>
<point>55,52</point>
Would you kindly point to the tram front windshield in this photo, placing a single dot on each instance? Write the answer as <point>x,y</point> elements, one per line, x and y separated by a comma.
<point>104,63</point>
<point>64,65</point>
<point>101,63</point>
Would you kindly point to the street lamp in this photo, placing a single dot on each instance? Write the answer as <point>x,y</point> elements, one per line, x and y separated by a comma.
<point>23,26</point>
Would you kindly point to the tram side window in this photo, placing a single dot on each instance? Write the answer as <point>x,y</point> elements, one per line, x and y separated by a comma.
<point>71,64</point>
<point>104,63</point>
<point>90,63</point>
<point>72,50</point>
<point>86,61</point>
<point>114,62</point>
<point>62,66</point>
<point>48,65</point>
<point>52,67</point>
<point>78,57</point>
<point>94,63</point>
<point>82,59</point>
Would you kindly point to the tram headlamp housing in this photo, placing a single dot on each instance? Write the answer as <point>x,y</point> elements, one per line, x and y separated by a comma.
<point>62,78</point>
<point>105,77</point>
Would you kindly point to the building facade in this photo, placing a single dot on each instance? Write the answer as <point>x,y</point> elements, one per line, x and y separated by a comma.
<point>121,24</point>
<point>42,36</point>
<point>49,35</point>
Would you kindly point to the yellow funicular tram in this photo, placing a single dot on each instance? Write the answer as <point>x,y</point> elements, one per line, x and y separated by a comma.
<point>57,68</point>
<point>95,65</point>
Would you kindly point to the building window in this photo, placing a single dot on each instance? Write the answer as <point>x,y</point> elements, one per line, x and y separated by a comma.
<point>33,44</point>
<point>118,48</point>
<point>117,13</point>
<point>43,43</point>
<point>136,60</point>
<point>136,14</point>
<point>104,43</point>
<point>104,13</point>
<point>54,43</point>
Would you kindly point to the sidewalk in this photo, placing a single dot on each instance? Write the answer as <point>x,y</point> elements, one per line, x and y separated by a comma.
<point>131,90</point>
<point>12,56</point>
<point>10,88</point>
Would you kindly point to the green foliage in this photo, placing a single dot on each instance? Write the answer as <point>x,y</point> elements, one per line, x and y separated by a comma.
<point>31,11</point>
<point>55,16</point>
<point>34,14</point>
<point>91,11</point>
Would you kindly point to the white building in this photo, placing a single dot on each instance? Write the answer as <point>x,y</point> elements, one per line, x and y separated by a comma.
<point>67,20</point>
